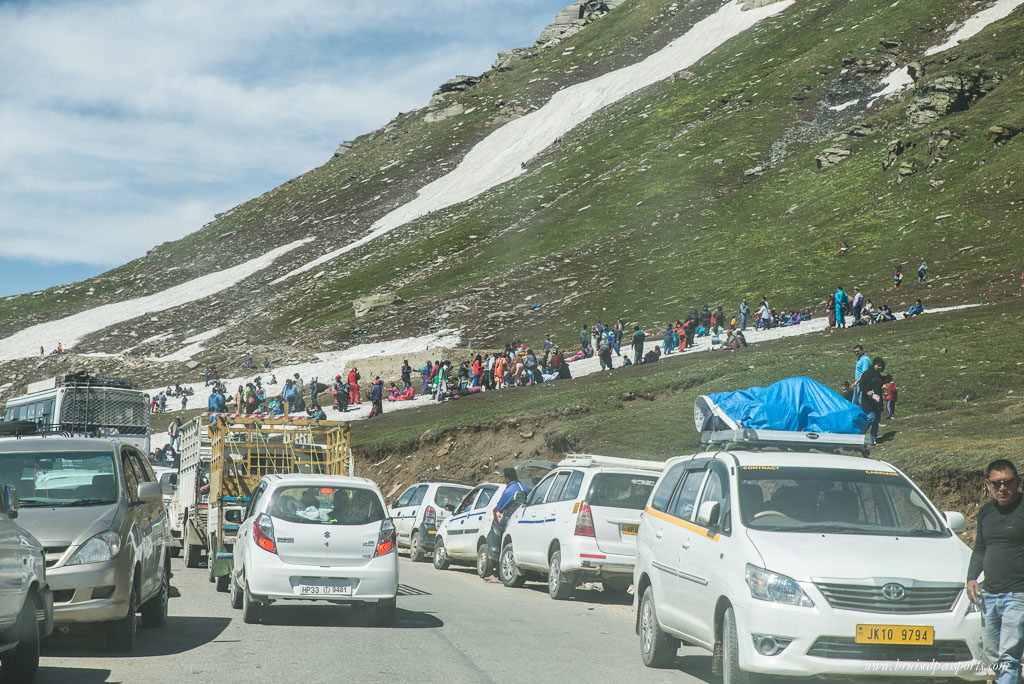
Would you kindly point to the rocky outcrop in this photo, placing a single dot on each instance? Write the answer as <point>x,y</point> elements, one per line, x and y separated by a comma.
<point>363,305</point>
<point>343,149</point>
<point>458,84</point>
<point>574,19</point>
<point>895,150</point>
<point>831,156</point>
<point>942,96</point>
<point>1001,134</point>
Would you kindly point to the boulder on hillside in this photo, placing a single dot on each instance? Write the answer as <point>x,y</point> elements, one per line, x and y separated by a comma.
<point>830,156</point>
<point>458,84</point>
<point>574,19</point>
<point>944,95</point>
<point>363,305</point>
<point>1000,134</point>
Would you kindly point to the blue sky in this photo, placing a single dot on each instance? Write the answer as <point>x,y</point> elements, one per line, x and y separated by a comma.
<point>127,124</point>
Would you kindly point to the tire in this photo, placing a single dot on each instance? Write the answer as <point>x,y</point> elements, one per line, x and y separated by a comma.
<point>560,585</point>
<point>121,633</point>
<point>657,649</point>
<point>252,611</point>
<point>440,556</point>
<point>20,663</point>
<point>384,613</point>
<point>236,593</point>
<point>193,554</point>
<point>416,553</point>
<point>484,564</point>
<point>154,611</point>
<point>223,585</point>
<point>731,672</point>
<point>510,575</point>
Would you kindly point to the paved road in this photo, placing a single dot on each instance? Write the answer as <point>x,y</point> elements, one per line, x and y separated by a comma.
<point>450,626</point>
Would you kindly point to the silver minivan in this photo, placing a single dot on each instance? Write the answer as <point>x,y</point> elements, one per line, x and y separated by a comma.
<point>96,507</point>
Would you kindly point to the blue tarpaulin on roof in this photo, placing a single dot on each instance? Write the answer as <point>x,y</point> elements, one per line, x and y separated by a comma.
<point>798,404</point>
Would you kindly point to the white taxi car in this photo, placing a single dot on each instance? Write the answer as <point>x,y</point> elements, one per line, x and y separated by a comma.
<point>462,537</point>
<point>315,537</point>
<point>801,564</point>
<point>579,524</point>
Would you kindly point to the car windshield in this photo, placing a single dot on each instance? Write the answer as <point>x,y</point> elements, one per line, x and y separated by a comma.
<point>450,496</point>
<point>621,490</point>
<point>834,500</point>
<point>326,505</point>
<point>61,478</point>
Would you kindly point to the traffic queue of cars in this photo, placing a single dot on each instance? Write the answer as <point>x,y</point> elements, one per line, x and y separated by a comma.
<point>782,563</point>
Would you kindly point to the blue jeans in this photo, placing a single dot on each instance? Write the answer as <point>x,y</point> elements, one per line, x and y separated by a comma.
<point>743,321</point>
<point>856,394</point>
<point>873,418</point>
<point>1003,634</point>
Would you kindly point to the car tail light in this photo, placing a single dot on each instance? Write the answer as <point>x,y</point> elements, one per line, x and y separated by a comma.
<point>584,522</point>
<point>386,538</point>
<point>430,516</point>
<point>263,533</point>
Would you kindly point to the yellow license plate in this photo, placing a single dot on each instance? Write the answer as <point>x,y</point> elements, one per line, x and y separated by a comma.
<point>630,529</point>
<point>895,634</point>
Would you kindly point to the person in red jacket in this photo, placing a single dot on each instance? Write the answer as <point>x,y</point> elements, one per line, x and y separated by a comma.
<point>353,386</point>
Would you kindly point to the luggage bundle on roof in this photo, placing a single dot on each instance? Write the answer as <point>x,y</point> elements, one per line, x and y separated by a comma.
<point>795,413</point>
<point>83,379</point>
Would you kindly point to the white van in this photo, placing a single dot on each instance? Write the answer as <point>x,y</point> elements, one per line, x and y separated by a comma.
<point>801,564</point>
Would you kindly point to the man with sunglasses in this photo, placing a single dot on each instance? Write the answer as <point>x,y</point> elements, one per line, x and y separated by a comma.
<point>999,551</point>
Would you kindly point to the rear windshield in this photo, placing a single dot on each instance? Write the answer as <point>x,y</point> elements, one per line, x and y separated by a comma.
<point>621,490</point>
<point>60,478</point>
<point>450,495</point>
<point>326,505</point>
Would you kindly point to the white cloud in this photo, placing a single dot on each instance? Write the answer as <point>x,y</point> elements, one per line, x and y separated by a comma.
<point>124,124</point>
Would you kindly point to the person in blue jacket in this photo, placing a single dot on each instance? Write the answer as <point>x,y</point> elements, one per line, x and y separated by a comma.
<point>512,487</point>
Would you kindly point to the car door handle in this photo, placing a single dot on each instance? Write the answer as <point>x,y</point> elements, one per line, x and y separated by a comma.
<point>685,544</point>
<point>659,534</point>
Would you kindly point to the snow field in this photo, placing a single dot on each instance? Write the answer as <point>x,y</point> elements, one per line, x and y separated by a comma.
<point>496,158</point>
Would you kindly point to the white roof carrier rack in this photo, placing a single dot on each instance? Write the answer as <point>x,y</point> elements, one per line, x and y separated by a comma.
<point>748,438</point>
<point>591,460</point>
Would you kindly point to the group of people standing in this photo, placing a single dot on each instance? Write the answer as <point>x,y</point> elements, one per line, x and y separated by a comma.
<point>861,310</point>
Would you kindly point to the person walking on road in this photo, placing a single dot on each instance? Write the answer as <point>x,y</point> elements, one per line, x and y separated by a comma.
<point>999,552</point>
<point>638,344</point>
<point>863,363</point>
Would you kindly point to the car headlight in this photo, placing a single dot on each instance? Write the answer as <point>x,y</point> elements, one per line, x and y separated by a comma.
<point>103,547</point>
<point>771,586</point>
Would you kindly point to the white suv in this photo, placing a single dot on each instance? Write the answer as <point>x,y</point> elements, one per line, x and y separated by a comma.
<point>26,602</point>
<point>800,564</point>
<point>578,524</point>
<point>462,537</point>
<point>420,509</point>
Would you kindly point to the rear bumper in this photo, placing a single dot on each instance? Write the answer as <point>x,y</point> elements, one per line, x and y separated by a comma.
<point>584,559</point>
<point>273,579</point>
<point>428,535</point>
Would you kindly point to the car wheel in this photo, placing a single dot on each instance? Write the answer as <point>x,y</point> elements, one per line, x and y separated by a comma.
<point>154,611</point>
<point>384,613</point>
<point>440,556</point>
<point>484,565</point>
<point>657,649</point>
<point>121,634</point>
<point>193,554</point>
<point>20,663</point>
<point>222,583</point>
<point>510,575</point>
<point>559,583</point>
<point>251,610</point>
<point>236,593</point>
<point>731,672</point>
<point>416,548</point>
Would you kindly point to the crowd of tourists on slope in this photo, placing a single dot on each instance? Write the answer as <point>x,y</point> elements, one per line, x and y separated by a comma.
<point>861,311</point>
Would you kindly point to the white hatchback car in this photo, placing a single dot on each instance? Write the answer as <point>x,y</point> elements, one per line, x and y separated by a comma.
<point>462,537</point>
<point>800,564</point>
<point>579,524</point>
<point>315,537</point>
<point>418,512</point>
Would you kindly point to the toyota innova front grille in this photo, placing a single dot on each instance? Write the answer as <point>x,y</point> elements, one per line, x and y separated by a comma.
<point>875,599</point>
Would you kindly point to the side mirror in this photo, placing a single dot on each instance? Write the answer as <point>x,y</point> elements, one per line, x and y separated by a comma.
<point>955,521</point>
<point>9,501</point>
<point>450,507</point>
<point>150,492</point>
<point>708,513</point>
<point>233,516</point>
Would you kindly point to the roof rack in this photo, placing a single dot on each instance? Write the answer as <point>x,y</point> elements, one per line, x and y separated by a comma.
<point>83,379</point>
<point>592,460</point>
<point>28,428</point>
<point>785,440</point>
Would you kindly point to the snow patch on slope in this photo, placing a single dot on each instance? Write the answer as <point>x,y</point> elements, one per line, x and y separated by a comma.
<point>71,329</point>
<point>496,158</point>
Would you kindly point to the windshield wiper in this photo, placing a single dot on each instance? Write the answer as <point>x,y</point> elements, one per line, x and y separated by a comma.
<point>33,502</point>
<point>87,502</point>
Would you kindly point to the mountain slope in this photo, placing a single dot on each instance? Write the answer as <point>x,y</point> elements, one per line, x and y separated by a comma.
<point>701,188</point>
